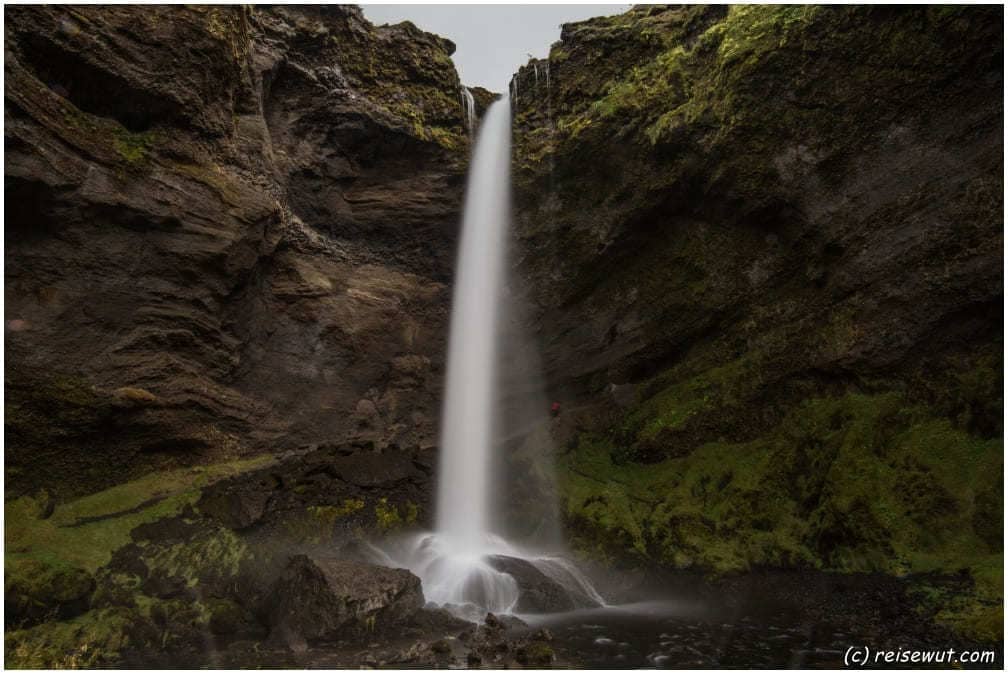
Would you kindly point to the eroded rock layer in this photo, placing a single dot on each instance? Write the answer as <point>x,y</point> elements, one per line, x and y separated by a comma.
<point>228,230</point>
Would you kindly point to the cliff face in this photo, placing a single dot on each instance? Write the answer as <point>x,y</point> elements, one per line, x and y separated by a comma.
<point>228,230</point>
<point>764,247</point>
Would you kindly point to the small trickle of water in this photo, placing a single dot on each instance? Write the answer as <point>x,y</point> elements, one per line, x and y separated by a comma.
<point>469,110</point>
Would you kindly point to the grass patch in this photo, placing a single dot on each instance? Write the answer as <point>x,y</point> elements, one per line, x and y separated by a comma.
<point>84,532</point>
<point>92,640</point>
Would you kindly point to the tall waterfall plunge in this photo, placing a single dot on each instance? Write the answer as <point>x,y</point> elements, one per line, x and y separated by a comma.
<point>467,418</point>
<point>464,564</point>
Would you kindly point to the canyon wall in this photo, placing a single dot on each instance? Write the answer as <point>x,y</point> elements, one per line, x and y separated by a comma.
<point>764,247</point>
<point>229,231</point>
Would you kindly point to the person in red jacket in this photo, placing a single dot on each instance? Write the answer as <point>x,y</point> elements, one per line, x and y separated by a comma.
<point>555,409</point>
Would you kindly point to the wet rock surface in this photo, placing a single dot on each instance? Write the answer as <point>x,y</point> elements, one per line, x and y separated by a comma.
<point>772,619</point>
<point>538,592</point>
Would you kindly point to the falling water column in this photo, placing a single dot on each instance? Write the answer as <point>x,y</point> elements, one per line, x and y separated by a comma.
<point>465,492</point>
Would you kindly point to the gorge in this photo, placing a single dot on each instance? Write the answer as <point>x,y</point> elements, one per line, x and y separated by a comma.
<point>755,260</point>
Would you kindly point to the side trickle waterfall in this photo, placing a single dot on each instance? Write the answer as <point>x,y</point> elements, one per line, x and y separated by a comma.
<point>469,110</point>
<point>464,564</point>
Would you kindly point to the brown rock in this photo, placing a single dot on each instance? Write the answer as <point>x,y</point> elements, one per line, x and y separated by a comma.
<point>255,235</point>
<point>319,599</point>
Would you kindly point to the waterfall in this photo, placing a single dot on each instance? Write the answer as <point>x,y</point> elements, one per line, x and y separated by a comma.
<point>460,564</point>
<point>469,110</point>
<point>464,492</point>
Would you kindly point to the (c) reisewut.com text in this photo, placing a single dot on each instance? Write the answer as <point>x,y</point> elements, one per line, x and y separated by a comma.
<point>865,656</point>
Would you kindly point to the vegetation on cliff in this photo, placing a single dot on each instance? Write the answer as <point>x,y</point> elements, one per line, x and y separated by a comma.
<point>779,366</point>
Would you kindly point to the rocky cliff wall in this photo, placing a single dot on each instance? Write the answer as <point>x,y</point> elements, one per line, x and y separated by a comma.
<point>765,252</point>
<point>228,231</point>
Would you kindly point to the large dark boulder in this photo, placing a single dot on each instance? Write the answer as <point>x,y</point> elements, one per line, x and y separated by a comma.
<point>321,599</point>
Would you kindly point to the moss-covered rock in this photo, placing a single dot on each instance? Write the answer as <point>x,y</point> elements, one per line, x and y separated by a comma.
<point>96,639</point>
<point>37,590</point>
<point>536,654</point>
<point>857,483</point>
<point>772,311</point>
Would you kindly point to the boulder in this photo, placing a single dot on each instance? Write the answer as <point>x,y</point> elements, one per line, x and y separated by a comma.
<point>539,593</point>
<point>237,508</point>
<point>319,599</point>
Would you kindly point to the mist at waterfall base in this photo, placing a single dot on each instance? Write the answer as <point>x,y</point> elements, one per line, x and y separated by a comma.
<point>461,563</point>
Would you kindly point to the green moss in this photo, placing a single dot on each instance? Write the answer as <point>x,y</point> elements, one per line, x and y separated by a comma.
<point>412,512</point>
<point>95,639</point>
<point>217,554</point>
<point>413,79</point>
<point>387,516</point>
<point>330,514</point>
<point>854,483</point>
<point>130,147</point>
<point>38,588</point>
<point>972,605</point>
<point>536,654</point>
<point>84,532</point>
<point>133,147</point>
<point>325,518</point>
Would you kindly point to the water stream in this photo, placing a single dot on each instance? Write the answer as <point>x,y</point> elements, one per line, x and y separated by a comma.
<point>469,110</point>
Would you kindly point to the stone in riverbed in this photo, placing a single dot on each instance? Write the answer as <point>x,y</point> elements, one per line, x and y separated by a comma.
<point>321,599</point>
<point>538,592</point>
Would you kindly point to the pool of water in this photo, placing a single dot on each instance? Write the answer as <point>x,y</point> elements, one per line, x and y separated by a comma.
<point>684,634</point>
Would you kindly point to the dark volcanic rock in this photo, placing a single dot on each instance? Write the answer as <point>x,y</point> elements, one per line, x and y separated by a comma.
<point>834,228</point>
<point>538,592</point>
<point>318,599</point>
<point>326,496</point>
<point>253,244</point>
